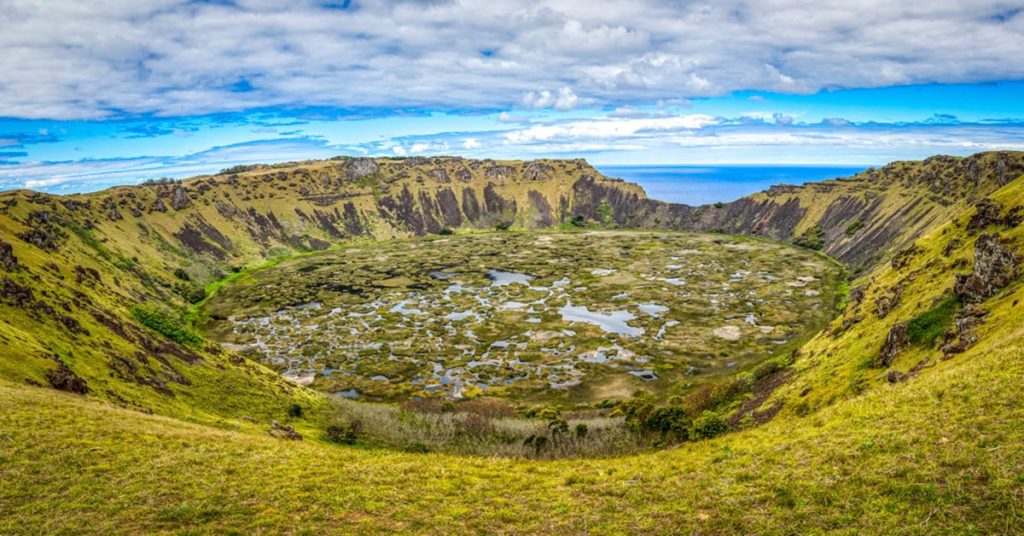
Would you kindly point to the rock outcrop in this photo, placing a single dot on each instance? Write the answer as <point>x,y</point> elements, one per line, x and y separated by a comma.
<point>895,342</point>
<point>995,267</point>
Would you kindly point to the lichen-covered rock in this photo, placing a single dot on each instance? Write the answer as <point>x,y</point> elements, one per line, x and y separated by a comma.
<point>158,205</point>
<point>962,336</point>
<point>179,199</point>
<point>361,167</point>
<point>887,301</point>
<point>895,342</point>
<point>995,267</point>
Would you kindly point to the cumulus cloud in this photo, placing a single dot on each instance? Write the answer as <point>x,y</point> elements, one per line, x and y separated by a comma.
<point>563,99</point>
<point>67,59</point>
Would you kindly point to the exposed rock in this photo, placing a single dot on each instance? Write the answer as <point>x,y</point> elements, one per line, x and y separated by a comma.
<point>537,171</point>
<point>499,173</point>
<point>895,342</point>
<point>887,301</point>
<point>903,257</point>
<point>179,199</point>
<point>361,167</point>
<point>7,259</point>
<point>961,335</point>
<point>995,267</point>
<point>158,205</point>
<point>282,431</point>
<point>65,379</point>
<point>988,213</point>
<point>439,175</point>
<point>895,376</point>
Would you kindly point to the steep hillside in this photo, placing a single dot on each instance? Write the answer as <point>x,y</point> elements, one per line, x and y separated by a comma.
<point>903,414</point>
<point>84,275</point>
<point>954,291</point>
<point>94,287</point>
<point>860,220</point>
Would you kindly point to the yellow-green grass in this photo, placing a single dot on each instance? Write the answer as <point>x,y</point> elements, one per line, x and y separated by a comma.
<point>944,454</point>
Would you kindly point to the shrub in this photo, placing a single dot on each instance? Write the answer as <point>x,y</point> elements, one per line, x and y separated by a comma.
<point>604,210</point>
<point>927,326</point>
<point>669,420</point>
<point>345,433</point>
<point>581,430</point>
<point>167,323</point>
<point>295,411</point>
<point>813,238</point>
<point>708,425</point>
<point>503,226</point>
<point>854,227</point>
<point>719,204</point>
<point>578,221</point>
<point>768,368</point>
<point>446,232</point>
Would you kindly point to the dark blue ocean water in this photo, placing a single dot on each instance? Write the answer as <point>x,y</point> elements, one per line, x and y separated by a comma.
<point>698,185</point>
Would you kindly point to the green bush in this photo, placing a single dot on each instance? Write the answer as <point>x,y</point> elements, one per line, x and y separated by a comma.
<point>854,227</point>
<point>446,232</point>
<point>708,425</point>
<point>345,433</point>
<point>813,238</point>
<point>166,322</point>
<point>669,420</point>
<point>927,326</point>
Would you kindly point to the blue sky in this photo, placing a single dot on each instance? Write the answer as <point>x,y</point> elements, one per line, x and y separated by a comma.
<point>96,94</point>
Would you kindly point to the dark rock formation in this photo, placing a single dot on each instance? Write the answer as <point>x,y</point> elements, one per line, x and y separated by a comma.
<point>988,213</point>
<point>65,379</point>
<point>995,267</point>
<point>8,261</point>
<point>895,342</point>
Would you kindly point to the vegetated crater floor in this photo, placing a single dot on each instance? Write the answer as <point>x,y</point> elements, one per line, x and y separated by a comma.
<point>571,317</point>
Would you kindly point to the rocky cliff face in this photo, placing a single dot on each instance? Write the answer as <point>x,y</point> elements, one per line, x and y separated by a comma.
<point>860,220</point>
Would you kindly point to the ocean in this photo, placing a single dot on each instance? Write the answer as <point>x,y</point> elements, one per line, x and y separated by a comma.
<point>699,185</point>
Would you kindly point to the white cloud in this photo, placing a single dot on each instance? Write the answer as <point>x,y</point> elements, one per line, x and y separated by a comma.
<point>562,100</point>
<point>398,150</point>
<point>67,59</point>
<point>607,128</point>
<point>419,148</point>
<point>470,143</point>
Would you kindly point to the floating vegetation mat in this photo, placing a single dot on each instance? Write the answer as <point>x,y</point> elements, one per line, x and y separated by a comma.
<point>556,316</point>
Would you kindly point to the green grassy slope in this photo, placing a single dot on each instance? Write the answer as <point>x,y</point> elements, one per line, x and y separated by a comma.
<point>940,455</point>
<point>857,448</point>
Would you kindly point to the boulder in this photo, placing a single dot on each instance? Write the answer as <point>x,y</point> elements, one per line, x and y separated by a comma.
<point>282,431</point>
<point>179,199</point>
<point>995,267</point>
<point>895,342</point>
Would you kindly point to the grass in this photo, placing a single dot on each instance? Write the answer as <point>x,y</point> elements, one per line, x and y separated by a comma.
<point>929,325</point>
<point>919,458</point>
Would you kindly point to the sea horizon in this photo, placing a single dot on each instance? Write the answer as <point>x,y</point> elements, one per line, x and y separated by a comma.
<point>698,184</point>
